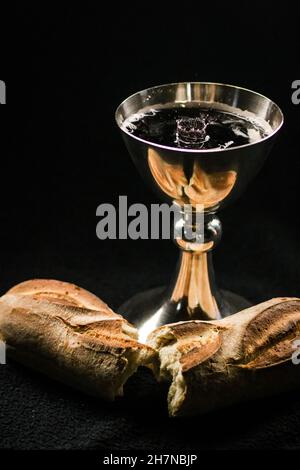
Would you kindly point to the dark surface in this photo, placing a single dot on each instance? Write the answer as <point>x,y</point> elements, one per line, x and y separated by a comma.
<point>67,72</point>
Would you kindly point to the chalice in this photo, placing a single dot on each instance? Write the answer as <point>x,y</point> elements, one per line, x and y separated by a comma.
<point>198,144</point>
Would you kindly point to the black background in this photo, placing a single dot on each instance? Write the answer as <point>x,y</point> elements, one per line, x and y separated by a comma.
<point>66,70</point>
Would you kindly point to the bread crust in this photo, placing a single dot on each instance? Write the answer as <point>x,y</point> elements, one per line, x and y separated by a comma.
<point>70,334</point>
<point>60,292</point>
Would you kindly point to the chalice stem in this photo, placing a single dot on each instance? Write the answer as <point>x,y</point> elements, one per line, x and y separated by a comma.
<point>195,285</point>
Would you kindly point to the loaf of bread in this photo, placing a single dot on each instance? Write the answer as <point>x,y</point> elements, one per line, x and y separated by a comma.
<point>222,362</point>
<point>71,335</point>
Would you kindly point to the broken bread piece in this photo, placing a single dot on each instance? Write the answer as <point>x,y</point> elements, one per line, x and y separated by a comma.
<point>213,364</point>
<point>69,334</point>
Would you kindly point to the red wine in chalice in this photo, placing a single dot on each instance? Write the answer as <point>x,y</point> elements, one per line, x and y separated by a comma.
<point>195,127</point>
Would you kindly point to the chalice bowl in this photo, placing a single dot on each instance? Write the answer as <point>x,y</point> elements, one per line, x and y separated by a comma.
<point>196,144</point>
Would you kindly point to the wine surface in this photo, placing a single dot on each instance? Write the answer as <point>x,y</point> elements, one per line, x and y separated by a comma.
<point>194,127</point>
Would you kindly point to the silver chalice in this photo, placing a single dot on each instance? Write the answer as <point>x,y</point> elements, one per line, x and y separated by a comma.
<point>217,177</point>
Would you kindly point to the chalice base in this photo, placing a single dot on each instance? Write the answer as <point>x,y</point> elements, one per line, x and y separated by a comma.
<point>152,308</point>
